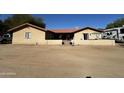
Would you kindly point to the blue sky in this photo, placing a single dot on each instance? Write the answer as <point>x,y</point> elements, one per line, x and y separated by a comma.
<point>57,21</point>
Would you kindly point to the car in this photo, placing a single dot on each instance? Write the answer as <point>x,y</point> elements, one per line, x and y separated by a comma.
<point>5,39</point>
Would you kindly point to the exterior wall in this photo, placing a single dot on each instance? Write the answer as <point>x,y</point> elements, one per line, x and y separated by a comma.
<point>37,36</point>
<point>92,35</point>
<point>95,42</point>
<point>54,42</point>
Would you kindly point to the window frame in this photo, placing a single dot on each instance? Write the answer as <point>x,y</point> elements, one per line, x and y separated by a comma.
<point>27,35</point>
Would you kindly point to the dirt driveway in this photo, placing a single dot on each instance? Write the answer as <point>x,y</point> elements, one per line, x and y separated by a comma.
<point>61,61</point>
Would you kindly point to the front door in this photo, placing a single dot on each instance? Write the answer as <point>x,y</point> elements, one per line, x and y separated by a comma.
<point>86,37</point>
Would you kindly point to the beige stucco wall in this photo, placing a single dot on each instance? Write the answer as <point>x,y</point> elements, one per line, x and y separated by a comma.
<point>95,42</point>
<point>79,39</point>
<point>37,36</point>
<point>54,42</point>
<point>91,33</point>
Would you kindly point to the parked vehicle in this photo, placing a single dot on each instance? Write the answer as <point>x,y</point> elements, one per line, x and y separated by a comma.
<point>5,39</point>
<point>116,34</point>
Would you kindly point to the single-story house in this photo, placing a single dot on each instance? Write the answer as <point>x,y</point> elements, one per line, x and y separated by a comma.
<point>31,34</point>
<point>86,33</point>
<point>27,34</point>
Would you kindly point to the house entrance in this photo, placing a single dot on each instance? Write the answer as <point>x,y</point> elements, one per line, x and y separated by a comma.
<point>66,38</point>
<point>86,37</point>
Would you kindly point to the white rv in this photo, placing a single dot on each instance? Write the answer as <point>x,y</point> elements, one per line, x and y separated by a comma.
<point>114,33</point>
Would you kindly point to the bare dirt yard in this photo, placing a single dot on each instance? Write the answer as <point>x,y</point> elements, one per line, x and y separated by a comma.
<point>61,61</point>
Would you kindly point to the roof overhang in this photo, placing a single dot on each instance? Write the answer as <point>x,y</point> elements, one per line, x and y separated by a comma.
<point>88,28</point>
<point>25,25</point>
<point>73,30</point>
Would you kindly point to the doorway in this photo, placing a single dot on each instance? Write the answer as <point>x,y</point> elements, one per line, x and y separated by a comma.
<point>66,38</point>
<point>86,36</point>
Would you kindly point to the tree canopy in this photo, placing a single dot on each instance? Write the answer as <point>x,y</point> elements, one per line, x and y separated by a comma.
<point>3,27</point>
<point>18,19</point>
<point>116,23</point>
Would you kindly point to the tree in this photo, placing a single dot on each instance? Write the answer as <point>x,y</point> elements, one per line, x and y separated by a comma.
<point>18,19</point>
<point>116,23</point>
<point>3,28</point>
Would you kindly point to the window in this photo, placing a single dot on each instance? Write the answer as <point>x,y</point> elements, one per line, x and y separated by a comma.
<point>27,35</point>
<point>121,31</point>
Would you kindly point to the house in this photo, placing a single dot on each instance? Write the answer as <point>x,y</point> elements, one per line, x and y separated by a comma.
<point>27,34</point>
<point>114,33</point>
<point>86,33</point>
<point>31,34</point>
<point>84,36</point>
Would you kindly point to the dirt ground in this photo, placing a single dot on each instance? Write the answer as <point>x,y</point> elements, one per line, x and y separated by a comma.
<point>61,61</point>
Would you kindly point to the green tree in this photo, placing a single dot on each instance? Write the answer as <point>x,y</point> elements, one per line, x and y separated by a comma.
<point>116,23</point>
<point>18,19</point>
<point>3,28</point>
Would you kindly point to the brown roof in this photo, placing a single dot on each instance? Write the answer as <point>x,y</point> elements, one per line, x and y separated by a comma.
<point>54,30</point>
<point>24,25</point>
<point>63,30</point>
<point>72,30</point>
<point>97,30</point>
